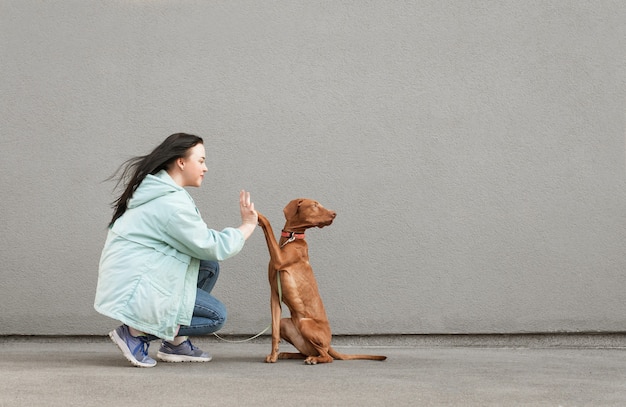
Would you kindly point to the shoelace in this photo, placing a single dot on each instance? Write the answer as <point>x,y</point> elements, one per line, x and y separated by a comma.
<point>144,344</point>
<point>190,345</point>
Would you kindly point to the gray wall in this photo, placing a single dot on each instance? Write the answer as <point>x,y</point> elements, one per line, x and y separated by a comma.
<point>474,152</point>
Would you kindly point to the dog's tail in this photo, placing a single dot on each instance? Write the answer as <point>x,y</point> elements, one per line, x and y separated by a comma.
<point>340,356</point>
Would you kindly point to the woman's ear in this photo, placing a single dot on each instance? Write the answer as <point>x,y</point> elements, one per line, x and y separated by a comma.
<point>180,162</point>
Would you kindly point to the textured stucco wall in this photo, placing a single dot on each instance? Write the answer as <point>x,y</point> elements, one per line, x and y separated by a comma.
<point>474,152</point>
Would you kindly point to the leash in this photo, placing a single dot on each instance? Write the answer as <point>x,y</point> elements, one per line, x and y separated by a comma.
<point>243,340</point>
<point>280,299</point>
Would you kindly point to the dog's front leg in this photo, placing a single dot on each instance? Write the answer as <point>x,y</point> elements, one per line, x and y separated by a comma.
<point>273,275</point>
<point>276,315</point>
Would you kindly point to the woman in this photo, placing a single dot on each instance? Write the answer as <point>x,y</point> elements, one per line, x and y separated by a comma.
<point>160,260</point>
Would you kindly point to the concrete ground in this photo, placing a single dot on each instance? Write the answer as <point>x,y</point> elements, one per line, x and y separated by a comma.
<point>92,372</point>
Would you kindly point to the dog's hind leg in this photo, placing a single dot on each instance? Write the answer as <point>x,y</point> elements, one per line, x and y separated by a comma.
<point>317,337</point>
<point>322,356</point>
<point>290,333</point>
<point>291,355</point>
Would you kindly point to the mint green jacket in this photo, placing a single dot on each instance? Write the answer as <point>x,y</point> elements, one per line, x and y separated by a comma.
<point>148,270</point>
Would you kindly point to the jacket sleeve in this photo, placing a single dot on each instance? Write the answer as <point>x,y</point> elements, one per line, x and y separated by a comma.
<point>186,232</point>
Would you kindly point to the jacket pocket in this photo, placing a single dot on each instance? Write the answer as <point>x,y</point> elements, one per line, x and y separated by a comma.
<point>151,303</point>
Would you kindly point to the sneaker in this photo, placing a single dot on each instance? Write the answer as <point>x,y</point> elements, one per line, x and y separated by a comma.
<point>134,348</point>
<point>185,352</point>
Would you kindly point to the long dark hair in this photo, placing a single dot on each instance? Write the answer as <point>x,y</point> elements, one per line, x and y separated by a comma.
<point>134,170</point>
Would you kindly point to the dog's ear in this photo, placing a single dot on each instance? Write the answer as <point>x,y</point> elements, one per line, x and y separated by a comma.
<point>292,208</point>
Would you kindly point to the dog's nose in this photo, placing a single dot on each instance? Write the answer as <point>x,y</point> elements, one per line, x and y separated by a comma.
<point>333,214</point>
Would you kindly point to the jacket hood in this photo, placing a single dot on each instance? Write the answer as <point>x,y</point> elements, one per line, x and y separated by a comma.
<point>152,187</point>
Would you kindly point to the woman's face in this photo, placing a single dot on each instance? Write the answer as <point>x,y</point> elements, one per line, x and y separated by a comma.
<point>194,166</point>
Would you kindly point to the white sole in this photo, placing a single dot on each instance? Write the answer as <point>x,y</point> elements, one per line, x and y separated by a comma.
<point>166,357</point>
<point>125,351</point>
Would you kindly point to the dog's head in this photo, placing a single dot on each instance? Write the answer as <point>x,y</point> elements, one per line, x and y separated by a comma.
<point>307,213</point>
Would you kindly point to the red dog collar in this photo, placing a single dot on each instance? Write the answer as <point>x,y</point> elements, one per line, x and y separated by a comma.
<point>292,235</point>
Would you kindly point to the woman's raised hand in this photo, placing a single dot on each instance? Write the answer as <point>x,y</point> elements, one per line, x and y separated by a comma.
<point>249,217</point>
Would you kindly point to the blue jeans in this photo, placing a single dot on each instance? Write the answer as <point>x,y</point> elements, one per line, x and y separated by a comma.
<point>209,314</point>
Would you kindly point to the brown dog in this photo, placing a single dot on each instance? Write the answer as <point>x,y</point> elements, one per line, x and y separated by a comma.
<point>307,328</point>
